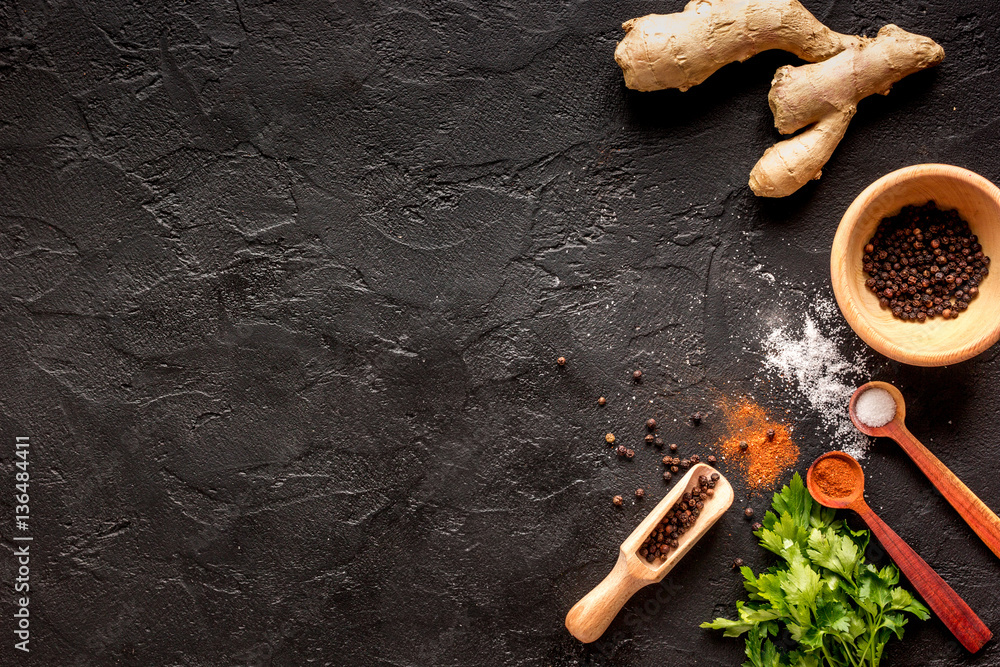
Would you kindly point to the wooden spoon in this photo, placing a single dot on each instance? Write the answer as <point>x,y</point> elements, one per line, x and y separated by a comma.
<point>980,518</point>
<point>591,616</point>
<point>939,596</point>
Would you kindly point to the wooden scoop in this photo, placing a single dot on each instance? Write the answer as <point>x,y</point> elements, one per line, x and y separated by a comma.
<point>591,616</point>
<point>939,596</point>
<point>980,518</point>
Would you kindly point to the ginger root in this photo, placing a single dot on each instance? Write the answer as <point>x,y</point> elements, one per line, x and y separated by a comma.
<point>683,49</point>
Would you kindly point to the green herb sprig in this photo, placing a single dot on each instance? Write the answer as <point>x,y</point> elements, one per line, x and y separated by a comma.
<point>839,610</point>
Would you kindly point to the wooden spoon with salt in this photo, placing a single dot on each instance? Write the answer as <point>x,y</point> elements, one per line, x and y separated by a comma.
<point>974,511</point>
<point>948,605</point>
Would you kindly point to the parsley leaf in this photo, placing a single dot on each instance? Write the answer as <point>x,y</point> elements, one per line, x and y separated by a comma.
<point>838,609</point>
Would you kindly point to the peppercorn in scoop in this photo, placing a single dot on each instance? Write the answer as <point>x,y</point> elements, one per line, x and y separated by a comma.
<point>924,262</point>
<point>678,520</point>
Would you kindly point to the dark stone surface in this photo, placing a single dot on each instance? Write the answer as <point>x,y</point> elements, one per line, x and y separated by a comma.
<point>281,291</point>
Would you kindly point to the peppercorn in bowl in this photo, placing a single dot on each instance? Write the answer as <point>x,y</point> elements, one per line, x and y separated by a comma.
<point>910,265</point>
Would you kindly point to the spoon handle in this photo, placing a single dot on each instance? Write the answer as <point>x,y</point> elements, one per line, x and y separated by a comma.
<point>939,596</point>
<point>591,616</point>
<point>974,511</point>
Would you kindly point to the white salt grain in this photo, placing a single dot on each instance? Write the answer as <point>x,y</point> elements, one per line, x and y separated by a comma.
<point>875,407</point>
<point>824,376</point>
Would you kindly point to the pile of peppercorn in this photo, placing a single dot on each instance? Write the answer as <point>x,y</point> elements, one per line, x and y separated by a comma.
<point>924,262</point>
<point>678,520</point>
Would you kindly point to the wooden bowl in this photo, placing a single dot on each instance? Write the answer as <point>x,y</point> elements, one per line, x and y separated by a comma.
<point>935,342</point>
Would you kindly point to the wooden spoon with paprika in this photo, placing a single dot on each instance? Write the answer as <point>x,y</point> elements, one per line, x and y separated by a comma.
<point>836,480</point>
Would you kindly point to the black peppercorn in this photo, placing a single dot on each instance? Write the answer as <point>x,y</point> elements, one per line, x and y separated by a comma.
<point>602,401</point>
<point>658,442</point>
<point>651,424</point>
<point>617,500</point>
<point>637,375</point>
<point>743,445</point>
<point>630,453</point>
<point>737,563</point>
<point>667,476</point>
<point>696,418</point>
<point>673,446</point>
<point>561,361</point>
<point>674,469</point>
<point>756,526</point>
<point>748,512</point>
<point>639,493</point>
<point>622,450</point>
<point>711,459</point>
<point>918,273</point>
<point>770,434</point>
<point>650,439</point>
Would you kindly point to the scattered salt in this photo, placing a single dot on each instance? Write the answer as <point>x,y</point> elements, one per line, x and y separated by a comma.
<point>824,376</point>
<point>875,407</point>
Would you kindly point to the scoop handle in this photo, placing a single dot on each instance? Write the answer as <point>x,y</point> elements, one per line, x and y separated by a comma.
<point>939,596</point>
<point>591,616</point>
<point>974,511</point>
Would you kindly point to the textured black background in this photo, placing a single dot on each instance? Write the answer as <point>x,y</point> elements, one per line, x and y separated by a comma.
<point>282,287</point>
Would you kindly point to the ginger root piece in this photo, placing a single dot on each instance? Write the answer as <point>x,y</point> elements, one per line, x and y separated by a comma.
<point>788,165</point>
<point>827,94</point>
<point>683,49</point>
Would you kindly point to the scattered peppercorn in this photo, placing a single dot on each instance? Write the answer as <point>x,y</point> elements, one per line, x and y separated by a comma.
<point>609,438</point>
<point>924,262</point>
<point>685,463</point>
<point>667,476</point>
<point>561,361</point>
<point>649,439</point>
<point>617,500</point>
<point>738,563</point>
<point>696,418</point>
<point>630,453</point>
<point>602,401</point>
<point>673,446</point>
<point>674,469</point>
<point>757,525</point>
<point>658,442</point>
<point>695,458</point>
<point>639,493</point>
<point>743,445</point>
<point>748,512</point>
<point>711,459</point>
<point>770,434</point>
<point>651,424</point>
<point>621,450</point>
<point>637,375</point>
<point>667,461</point>
<point>714,477</point>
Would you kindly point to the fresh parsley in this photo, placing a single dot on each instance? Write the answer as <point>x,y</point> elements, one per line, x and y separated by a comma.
<point>838,610</point>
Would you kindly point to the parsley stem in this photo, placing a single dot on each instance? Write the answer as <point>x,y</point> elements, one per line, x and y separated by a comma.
<point>848,652</point>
